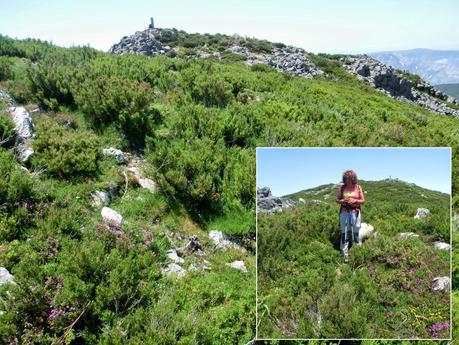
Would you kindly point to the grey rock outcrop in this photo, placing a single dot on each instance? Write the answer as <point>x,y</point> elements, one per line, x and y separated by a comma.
<point>221,241</point>
<point>111,216</point>
<point>266,203</point>
<point>116,153</point>
<point>142,42</point>
<point>100,198</point>
<point>289,59</point>
<point>442,246</point>
<point>441,284</point>
<point>238,265</point>
<point>5,97</point>
<point>23,126</point>
<point>407,235</point>
<point>193,246</point>
<point>134,168</point>
<point>366,231</point>
<point>172,255</point>
<point>394,84</point>
<point>422,213</point>
<point>173,269</point>
<point>6,277</point>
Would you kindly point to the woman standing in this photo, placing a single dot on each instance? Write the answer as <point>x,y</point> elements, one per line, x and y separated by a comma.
<point>350,197</point>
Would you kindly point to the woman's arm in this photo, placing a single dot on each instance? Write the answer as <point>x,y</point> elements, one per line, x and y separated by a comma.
<point>339,197</point>
<point>361,199</point>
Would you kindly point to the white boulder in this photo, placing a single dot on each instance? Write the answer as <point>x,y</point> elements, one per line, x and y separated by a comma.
<point>422,213</point>
<point>366,231</point>
<point>173,269</point>
<point>442,283</point>
<point>6,277</point>
<point>22,122</point>
<point>238,264</point>
<point>111,216</point>
<point>172,255</point>
<point>221,241</point>
<point>442,246</point>
<point>118,154</point>
<point>407,234</point>
<point>100,198</point>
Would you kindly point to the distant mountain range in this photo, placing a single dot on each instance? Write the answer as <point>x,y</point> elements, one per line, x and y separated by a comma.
<point>435,66</point>
<point>449,89</point>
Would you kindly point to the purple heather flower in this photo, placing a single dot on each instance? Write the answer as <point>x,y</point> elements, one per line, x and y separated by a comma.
<point>54,314</point>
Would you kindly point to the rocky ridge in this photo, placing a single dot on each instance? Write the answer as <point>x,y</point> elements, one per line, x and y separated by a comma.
<point>289,59</point>
<point>394,84</point>
<point>295,61</point>
<point>266,203</point>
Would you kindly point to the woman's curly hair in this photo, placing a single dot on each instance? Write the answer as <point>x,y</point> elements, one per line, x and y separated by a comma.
<point>350,174</point>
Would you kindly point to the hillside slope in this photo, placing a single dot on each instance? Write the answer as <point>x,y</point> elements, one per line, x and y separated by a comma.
<point>194,125</point>
<point>388,288</point>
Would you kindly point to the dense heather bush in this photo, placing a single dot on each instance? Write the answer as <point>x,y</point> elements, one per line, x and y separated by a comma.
<point>306,292</point>
<point>16,197</point>
<point>65,152</point>
<point>7,131</point>
<point>6,71</point>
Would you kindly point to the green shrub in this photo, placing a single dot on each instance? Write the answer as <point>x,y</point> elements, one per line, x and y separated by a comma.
<point>16,196</point>
<point>65,152</point>
<point>7,131</point>
<point>6,71</point>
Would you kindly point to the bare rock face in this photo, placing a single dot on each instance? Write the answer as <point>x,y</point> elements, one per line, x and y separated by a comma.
<point>422,213</point>
<point>172,255</point>
<point>193,246</point>
<point>100,198</point>
<point>6,277</point>
<point>4,96</point>
<point>394,84</point>
<point>366,231</point>
<point>266,203</point>
<point>116,153</point>
<point>442,284</point>
<point>238,265</point>
<point>173,270</point>
<point>111,216</point>
<point>221,241</point>
<point>142,42</point>
<point>23,126</point>
<point>289,59</point>
<point>442,246</point>
<point>407,235</point>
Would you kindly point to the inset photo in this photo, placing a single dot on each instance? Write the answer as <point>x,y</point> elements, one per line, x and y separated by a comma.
<point>354,243</point>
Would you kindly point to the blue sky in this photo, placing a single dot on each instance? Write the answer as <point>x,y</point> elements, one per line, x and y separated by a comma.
<point>289,170</point>
<point>332,26</point>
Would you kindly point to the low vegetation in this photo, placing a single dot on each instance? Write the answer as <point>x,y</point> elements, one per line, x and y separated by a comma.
<point>197,123</point>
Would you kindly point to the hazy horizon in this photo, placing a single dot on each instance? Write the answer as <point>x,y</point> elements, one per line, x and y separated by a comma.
<point>356,26</point>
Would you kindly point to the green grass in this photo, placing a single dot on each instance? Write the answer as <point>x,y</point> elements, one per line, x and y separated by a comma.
<point>201,121</point>
<point>305,291</point>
